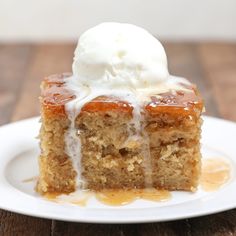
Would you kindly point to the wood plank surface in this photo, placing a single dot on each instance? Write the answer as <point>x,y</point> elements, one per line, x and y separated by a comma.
<point>219,66</point>
<point>46,60</point>
<point>14,60</point>
<point>184,60</point>
<point>212,66</point>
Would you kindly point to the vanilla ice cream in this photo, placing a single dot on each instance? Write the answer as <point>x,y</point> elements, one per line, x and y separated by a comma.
<point>118,55</point>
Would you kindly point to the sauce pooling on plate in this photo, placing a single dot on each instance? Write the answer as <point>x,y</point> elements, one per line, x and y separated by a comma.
<point>114,197</point>
<point>123,197</point>
<point>215,173</point>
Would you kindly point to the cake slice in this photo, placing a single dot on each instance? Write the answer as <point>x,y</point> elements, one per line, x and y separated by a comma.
<point>166,154</point>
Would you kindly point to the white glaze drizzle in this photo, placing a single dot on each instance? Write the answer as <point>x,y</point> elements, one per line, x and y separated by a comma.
<point>137,98</point>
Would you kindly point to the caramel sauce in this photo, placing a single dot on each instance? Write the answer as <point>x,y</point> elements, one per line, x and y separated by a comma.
<point>79,199</point>
<point>153,194</point>
<point>122,197</point>
<point>116,197</point>
<point>105,103</point>
<point>81,202</point>
<point>55,95</point>
<point>215,173</point>
<point>51,196</point>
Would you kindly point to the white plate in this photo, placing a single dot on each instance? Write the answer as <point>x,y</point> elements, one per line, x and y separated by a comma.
<point>18,161</point>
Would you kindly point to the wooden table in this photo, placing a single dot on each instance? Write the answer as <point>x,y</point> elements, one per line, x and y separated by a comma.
<point>212,66</point>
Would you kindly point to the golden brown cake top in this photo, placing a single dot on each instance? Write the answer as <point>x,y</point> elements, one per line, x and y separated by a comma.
<point>54,96</point>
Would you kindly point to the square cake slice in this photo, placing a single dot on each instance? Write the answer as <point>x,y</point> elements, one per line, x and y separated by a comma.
<point>110,151</point>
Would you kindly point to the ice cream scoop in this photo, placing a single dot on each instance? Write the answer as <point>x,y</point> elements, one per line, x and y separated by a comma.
<point>116,55</point>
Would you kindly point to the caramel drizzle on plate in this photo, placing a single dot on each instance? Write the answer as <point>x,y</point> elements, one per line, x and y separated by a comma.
<point>215,173</point>
<point>123,197</point>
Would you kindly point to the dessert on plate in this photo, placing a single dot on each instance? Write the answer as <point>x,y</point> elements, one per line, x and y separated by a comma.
<point>120,120</point>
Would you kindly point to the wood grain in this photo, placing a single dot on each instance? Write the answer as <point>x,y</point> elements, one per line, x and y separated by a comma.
<point>212,66</point>
<point>14,60</point>
<point>167,228</point>
<point>184,60</point>
<point>14,64</point>
<point>46,60</point>
<point>16,224</point>
<point>219,65</point>
<point>218,224</point>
